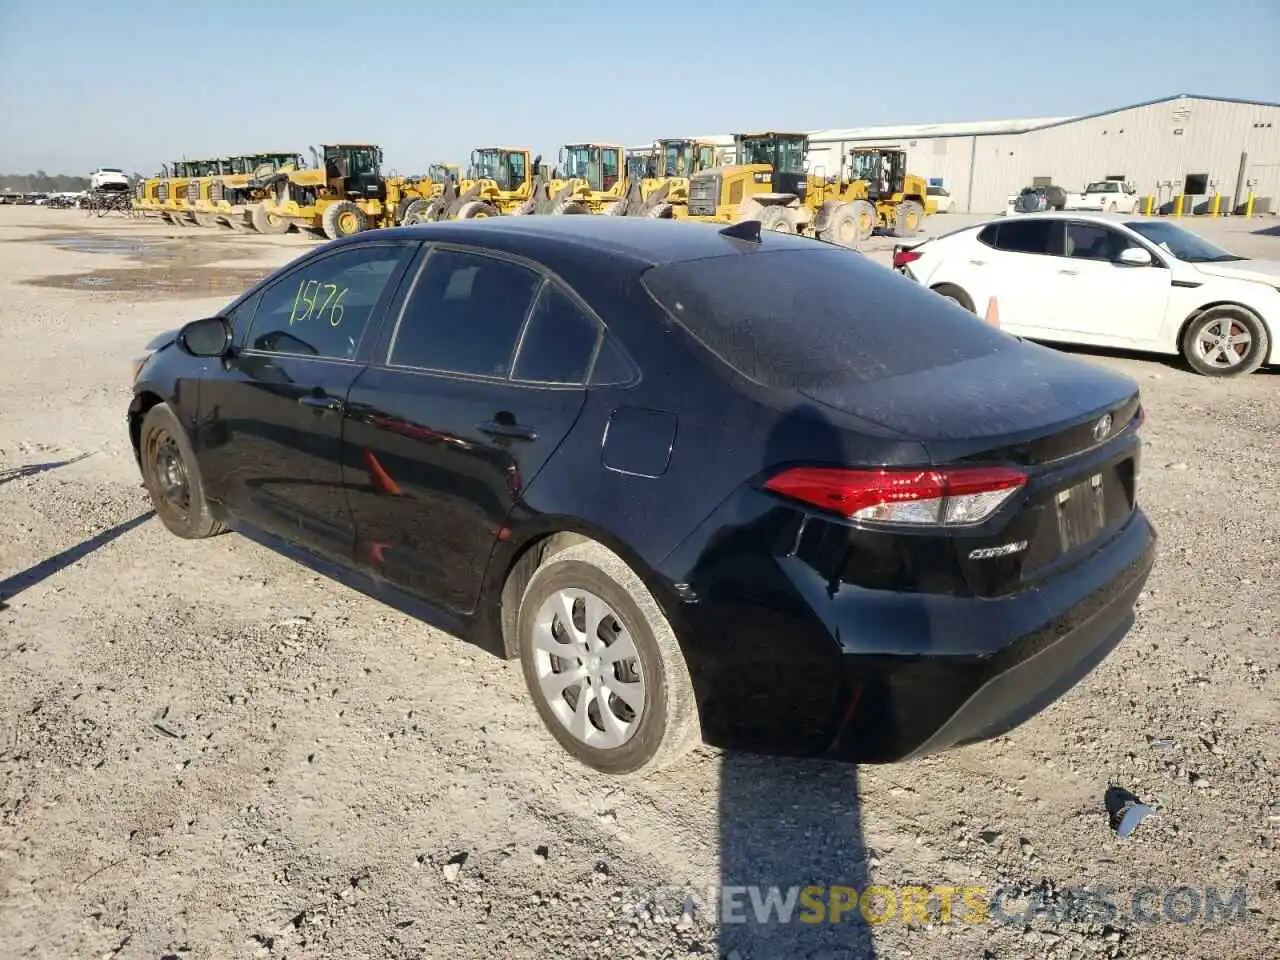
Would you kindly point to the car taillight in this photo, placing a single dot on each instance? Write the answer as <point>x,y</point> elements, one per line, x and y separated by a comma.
<point>902,257</point>
<point>916,497</point>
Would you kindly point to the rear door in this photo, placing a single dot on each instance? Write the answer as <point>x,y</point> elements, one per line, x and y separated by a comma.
<point>1015,266</point>
<point>481,378</point>
<point>270,432</point>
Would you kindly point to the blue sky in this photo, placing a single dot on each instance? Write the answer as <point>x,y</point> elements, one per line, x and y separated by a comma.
<point>131,83</point>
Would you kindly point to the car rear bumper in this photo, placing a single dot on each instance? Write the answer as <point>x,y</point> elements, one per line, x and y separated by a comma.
<point>799,666</point>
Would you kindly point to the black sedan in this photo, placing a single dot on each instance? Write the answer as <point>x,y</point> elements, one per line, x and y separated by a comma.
<point>705,484</point>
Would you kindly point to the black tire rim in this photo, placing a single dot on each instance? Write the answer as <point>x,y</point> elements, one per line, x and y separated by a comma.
<point>170,472</point>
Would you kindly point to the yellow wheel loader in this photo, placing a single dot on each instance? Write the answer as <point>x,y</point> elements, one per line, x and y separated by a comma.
<point>413,189</point>
<point>227,197</point>
<point>201,177</point>
<point>501,181</point>
<point>343,193</point>
<point>769,183</point>
<point>663,187</point>
<point>149,194</point>
<point>179,204</point>
<point>899,197</point>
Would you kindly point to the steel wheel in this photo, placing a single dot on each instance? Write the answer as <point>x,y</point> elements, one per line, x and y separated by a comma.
<point>172,476</point>
<point>588,668</point>
<point>170,470</point>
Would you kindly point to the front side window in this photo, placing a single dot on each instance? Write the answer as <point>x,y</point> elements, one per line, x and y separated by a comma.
<point>1093,241</point>
<point>324,308</point>
<point>464,315</point>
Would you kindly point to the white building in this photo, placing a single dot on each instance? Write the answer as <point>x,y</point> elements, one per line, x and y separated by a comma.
<point>1184,143</point>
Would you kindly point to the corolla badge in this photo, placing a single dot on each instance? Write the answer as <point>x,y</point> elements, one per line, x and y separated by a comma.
<point>1102,428</point>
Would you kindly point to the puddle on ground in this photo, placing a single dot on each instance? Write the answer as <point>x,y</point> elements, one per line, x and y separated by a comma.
<point>149,282</point>
<point>167,267</point>
<point>139,249</point>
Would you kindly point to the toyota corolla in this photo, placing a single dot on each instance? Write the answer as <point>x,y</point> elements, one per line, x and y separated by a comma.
<point>704,485</point>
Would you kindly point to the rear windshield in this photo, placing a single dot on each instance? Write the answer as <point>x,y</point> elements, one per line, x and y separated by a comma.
<point>800,318</point>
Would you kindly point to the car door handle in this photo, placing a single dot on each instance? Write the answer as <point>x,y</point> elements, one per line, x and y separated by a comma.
<point>321,402</point>
<point>978,263</point>
<point>1070,273</point>
<point>512,430</point>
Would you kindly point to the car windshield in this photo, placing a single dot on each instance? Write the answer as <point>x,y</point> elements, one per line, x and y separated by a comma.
<point>1180,243</point>
<point>806,318</point>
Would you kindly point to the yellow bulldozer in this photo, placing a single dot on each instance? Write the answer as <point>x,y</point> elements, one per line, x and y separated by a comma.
<point>768,182</point>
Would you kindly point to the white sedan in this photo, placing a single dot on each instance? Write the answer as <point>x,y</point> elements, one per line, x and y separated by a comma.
<point>1109,280</point>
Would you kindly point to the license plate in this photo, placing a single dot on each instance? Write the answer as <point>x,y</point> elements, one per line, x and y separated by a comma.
<point>1081,512</point>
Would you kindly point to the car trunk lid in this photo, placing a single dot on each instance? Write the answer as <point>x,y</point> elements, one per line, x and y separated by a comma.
<point>1070,426</point>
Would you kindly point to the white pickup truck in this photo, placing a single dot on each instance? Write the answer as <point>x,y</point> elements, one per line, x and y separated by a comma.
<point>1113,196</point>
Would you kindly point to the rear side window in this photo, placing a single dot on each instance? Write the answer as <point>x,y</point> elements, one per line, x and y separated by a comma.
<point>559,342</point>
<point>1024,236</point>
<point>802,318</point>
<point>464,314</point>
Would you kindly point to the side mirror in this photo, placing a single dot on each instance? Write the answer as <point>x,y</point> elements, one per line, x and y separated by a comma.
<point>1134,257</point>
<point>210,337</point>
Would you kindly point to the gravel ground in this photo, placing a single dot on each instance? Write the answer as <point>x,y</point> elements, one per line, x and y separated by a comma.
<point>207,751</point>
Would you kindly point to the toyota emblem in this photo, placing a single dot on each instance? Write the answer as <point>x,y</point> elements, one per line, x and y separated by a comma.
<point>1102,428</point>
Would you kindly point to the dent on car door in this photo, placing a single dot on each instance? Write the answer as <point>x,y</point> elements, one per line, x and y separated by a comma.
<point>1101,300</point>
<point>482,379</point>
<point>272,417</point>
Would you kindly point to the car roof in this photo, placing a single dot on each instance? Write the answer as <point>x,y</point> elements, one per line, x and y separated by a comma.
<point>1087,215</point>
<point>643,241</point>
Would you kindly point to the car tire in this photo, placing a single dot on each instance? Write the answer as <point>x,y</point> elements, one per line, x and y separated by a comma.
<point>172,477</point>
<point>1202,348</point>
<point>658,723</point>
<point>956,295</point>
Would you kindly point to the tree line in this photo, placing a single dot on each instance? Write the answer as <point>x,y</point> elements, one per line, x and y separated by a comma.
<point>41,182</point>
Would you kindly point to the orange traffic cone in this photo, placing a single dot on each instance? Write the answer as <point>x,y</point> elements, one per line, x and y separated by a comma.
<point>993,312</point>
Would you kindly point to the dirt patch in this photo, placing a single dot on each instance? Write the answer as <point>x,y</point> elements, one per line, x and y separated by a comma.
<point>151,282</point>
